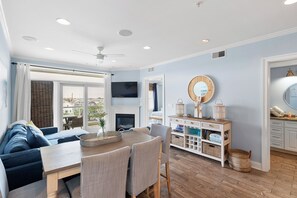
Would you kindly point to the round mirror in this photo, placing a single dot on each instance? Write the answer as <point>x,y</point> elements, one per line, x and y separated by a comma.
<point>290,96</point>
<point>201,88</point>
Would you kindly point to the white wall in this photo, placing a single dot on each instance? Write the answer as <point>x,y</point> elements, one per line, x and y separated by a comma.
<point>5,112</point>
<point>278,86</point>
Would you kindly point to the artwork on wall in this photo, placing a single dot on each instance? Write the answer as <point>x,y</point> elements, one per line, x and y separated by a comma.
<point>3,86</point>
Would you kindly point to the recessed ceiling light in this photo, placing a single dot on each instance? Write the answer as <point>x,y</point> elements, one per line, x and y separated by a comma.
<point>289,2</point>
<point>49,48</point>
<point>205,40</point>
<point>125,32</point>
<point>29,38</point>
<point>63,21</point>
<point>113,61</point>
<point>147,47</point>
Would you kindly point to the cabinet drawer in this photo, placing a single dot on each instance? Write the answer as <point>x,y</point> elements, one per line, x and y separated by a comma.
<point>193,123</point>
<point>211,126</point>
<point>177,121</point>
<point>277,131</point>
<point>277,136</point>
<point>277,123</point>
<point>277,144</point>
<point>291,124</point>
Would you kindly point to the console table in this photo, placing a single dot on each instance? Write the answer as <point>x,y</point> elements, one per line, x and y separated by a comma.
<point>193,135</point>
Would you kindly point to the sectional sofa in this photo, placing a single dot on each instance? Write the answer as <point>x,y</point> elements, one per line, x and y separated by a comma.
<point>20,150</point>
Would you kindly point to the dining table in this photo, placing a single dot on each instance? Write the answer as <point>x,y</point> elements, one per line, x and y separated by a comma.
<point>64,160</point>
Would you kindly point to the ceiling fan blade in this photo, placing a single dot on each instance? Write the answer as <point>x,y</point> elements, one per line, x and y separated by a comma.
<point>84,52</point>
<point>114,55</point>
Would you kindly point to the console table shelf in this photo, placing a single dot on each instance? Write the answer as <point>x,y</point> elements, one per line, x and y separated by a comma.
<point>193,135</point>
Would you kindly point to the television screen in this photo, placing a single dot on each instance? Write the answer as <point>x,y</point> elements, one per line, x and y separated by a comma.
<point>124,90</point>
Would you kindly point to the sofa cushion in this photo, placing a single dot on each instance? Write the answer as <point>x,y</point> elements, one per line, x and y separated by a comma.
<point>53,138</point>
<point>68,139</point>
<point>17,143</point>
<point>16,129</point>
<point>4,141</point>
<point>36,138</point>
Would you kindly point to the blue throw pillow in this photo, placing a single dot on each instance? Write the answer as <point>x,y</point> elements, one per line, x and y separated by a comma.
<point>16,130</point>
<point>17,143</point>
<point>4,141</point>
<point>36,139</point>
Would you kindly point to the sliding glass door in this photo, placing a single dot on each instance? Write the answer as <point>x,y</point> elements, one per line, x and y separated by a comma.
<point>81,106</point>
<point>73,102</point>
<point>95,97</point>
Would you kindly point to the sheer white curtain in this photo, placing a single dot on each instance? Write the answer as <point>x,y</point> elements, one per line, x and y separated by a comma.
<point>107,100</point>
<point>22,93</point>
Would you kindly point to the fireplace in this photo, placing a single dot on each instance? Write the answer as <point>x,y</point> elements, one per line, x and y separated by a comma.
<point>124,121</point>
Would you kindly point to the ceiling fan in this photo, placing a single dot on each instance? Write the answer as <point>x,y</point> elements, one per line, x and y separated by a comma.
<point>100,56</point>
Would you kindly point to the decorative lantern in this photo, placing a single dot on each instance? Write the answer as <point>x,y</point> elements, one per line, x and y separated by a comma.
<point>179,107</point>
<point>219,110</point>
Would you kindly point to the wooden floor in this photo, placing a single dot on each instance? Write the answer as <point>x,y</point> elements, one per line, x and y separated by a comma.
<point>196,176</point>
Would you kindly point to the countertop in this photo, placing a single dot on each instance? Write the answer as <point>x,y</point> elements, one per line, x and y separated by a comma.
<point>284,118</point>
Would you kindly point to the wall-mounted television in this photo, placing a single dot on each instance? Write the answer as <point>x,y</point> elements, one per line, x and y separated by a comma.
<point>124,90</point>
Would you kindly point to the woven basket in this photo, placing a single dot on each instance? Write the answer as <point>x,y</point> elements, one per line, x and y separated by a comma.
<point>240,160</point>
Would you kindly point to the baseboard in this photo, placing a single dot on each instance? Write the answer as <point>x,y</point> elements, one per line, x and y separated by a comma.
<point>256,165</point>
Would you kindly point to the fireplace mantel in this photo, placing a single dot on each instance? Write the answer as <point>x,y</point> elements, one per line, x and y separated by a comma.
<point>124,109</point>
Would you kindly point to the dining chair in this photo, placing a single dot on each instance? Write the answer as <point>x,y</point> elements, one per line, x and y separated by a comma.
<point>102,175</point>
<point>145,130</point>
<point>144,170</point>
<point>36,189</point>
<point>76,122</point>
<point>164,132</point>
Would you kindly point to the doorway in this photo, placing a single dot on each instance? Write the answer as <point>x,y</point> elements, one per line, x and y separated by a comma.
<point>154,100</point>
<point>270,63</point>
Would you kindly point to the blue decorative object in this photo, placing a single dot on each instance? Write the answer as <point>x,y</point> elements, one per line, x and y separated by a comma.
<point>193,131</point>
<point>36,139</point>
<point>17,143</point>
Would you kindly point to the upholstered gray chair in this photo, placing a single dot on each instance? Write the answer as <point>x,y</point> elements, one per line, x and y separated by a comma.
<point>36,189</point>
<point>102,175</point>
<point>164,132</point>
<point>144,167</point>
<point>141,130</point>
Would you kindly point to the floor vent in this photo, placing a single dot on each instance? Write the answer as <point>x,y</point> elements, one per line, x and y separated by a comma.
<point>219,54</point>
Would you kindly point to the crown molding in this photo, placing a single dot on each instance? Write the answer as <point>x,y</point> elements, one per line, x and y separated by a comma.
<point>4,27</point>
<point>233,45</point>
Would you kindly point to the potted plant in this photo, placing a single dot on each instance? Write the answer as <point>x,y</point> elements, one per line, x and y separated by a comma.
<point>102,120</point>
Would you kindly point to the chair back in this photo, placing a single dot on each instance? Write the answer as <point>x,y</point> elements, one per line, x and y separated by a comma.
<point>164,132</point>
<point>76,122</point>
<point>141,130</point>
<point>105,174</point>
<point>3,182</point>
<point>144,166</point>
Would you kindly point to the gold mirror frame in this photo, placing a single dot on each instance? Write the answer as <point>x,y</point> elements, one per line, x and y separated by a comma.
<point>210,88</point>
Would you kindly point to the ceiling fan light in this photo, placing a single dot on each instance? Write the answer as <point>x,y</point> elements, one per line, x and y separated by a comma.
<point>63,21</point>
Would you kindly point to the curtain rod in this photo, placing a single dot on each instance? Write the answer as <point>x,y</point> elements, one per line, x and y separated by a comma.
<point>58,68</point>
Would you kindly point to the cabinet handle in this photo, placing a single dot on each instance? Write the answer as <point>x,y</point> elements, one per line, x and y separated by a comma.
<point>192,122</point>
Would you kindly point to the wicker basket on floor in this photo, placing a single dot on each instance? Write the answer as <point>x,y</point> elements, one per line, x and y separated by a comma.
<point>240,160</point>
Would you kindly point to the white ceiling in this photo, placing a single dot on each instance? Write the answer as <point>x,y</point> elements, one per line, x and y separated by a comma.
<point>173,28</point>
